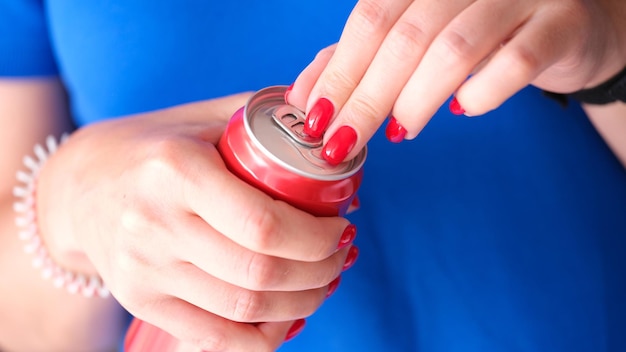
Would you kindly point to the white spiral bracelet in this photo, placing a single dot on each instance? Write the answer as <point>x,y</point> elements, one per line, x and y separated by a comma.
<point>26,220</point>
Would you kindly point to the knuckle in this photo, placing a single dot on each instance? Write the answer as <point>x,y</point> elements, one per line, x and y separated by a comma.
<point>407,39</point>
<point>122,278</point>
<point>134,220</point>
<point>338,80</point>
<point>163,158</point>
<point>523,63</point>
<point>363,110</point>
<point>454,46</point>
<point>370,16</point>
<point>247,306</point>
<point>262,228</point>
<point>140,220</point>
<point>261,272</point>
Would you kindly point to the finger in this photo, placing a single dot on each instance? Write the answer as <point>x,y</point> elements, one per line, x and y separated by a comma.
<point>391,68</point>
<point>301,88</point>
<point>540,43</point>
<point>209,332</point>
<point>365,30</point>
<point>455,52</point>
<point>222,258</point>
<point>235,303</point>
<point>276,330</point>
<point>251,218</point>
<point>221,109</point>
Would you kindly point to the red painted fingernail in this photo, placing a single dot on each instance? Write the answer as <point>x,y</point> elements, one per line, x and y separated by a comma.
<point>455,107</point>
<point>348,236</point>
<point>332,287</point>
<point>287,93</point>
<point>319,117</point>
<point>395,132</point>
<point>353,253</point>
<point>295,329</point>
<point>339,145</point>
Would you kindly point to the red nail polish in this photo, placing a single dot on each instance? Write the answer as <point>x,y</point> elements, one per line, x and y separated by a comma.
<point>353,253</point>
<point>339,145</point>
<point>287,92</point>
<point>395,132</point>
<point>348,236</point>
<point>455,107</point>
<point>319,117</point>
<point>332,287</point>
<point>295,329</point>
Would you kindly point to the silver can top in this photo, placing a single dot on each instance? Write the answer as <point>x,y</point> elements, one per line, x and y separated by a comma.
<point>276,128</point>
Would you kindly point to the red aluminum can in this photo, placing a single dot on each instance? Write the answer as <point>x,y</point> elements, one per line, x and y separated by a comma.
<point>265,146</point>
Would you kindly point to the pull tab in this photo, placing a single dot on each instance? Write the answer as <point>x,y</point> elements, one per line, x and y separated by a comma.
<point>291,120</point>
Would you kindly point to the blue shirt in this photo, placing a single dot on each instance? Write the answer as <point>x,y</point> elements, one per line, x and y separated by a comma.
<point>505,232</point>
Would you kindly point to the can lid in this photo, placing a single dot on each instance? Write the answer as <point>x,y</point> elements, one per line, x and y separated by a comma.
<point>277,129</point>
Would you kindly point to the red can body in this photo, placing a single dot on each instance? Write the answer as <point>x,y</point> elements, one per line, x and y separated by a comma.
<point>263,145</point>
<point>318,197</point>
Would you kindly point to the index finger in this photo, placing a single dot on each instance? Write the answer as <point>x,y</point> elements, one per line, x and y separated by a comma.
<point>364,31</point>
<point>397,58</point>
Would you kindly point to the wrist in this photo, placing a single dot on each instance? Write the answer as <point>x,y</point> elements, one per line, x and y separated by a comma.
<point>55,186</point>
<point>65,267</point>
<point>610,91</point>
<point>614,30</point>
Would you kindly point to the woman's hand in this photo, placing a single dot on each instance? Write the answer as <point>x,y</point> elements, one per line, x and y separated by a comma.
<point>405,58</point>
<point>146,202</point>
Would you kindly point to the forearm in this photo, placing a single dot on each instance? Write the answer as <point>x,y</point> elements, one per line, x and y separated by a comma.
<point>35,315</point>
<point>610,121</point>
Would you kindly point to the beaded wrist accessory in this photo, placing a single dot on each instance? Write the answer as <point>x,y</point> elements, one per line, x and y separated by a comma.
<point>26,220</point>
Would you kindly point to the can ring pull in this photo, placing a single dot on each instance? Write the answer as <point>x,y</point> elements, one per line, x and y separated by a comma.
<point>291,120</point>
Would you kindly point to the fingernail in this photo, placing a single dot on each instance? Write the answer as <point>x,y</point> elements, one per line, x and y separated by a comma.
<point>295,329</point>
<point>287,93</point>
<point>332,287</point>
<point>318,118</point>
<point>339,145</point>
<point>353,253</point>
<point>348,236</point>
<point>455,107</point>
<point>395,132</point>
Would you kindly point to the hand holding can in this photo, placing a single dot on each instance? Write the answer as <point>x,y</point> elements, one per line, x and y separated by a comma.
<point>264,146</point>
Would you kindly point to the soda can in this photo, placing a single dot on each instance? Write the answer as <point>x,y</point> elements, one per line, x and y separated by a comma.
<point>264,145</point>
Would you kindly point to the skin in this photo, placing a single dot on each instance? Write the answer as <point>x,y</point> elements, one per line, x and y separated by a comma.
<point>392,51</point>
<point>35,315</point>
<point>169,248</point>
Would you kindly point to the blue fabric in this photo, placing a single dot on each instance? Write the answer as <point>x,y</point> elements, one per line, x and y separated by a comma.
<point>505,232</point>
<point>24,42</point>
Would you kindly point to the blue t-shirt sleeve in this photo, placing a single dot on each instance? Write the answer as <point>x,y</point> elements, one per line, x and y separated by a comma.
<point>25,48</point>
